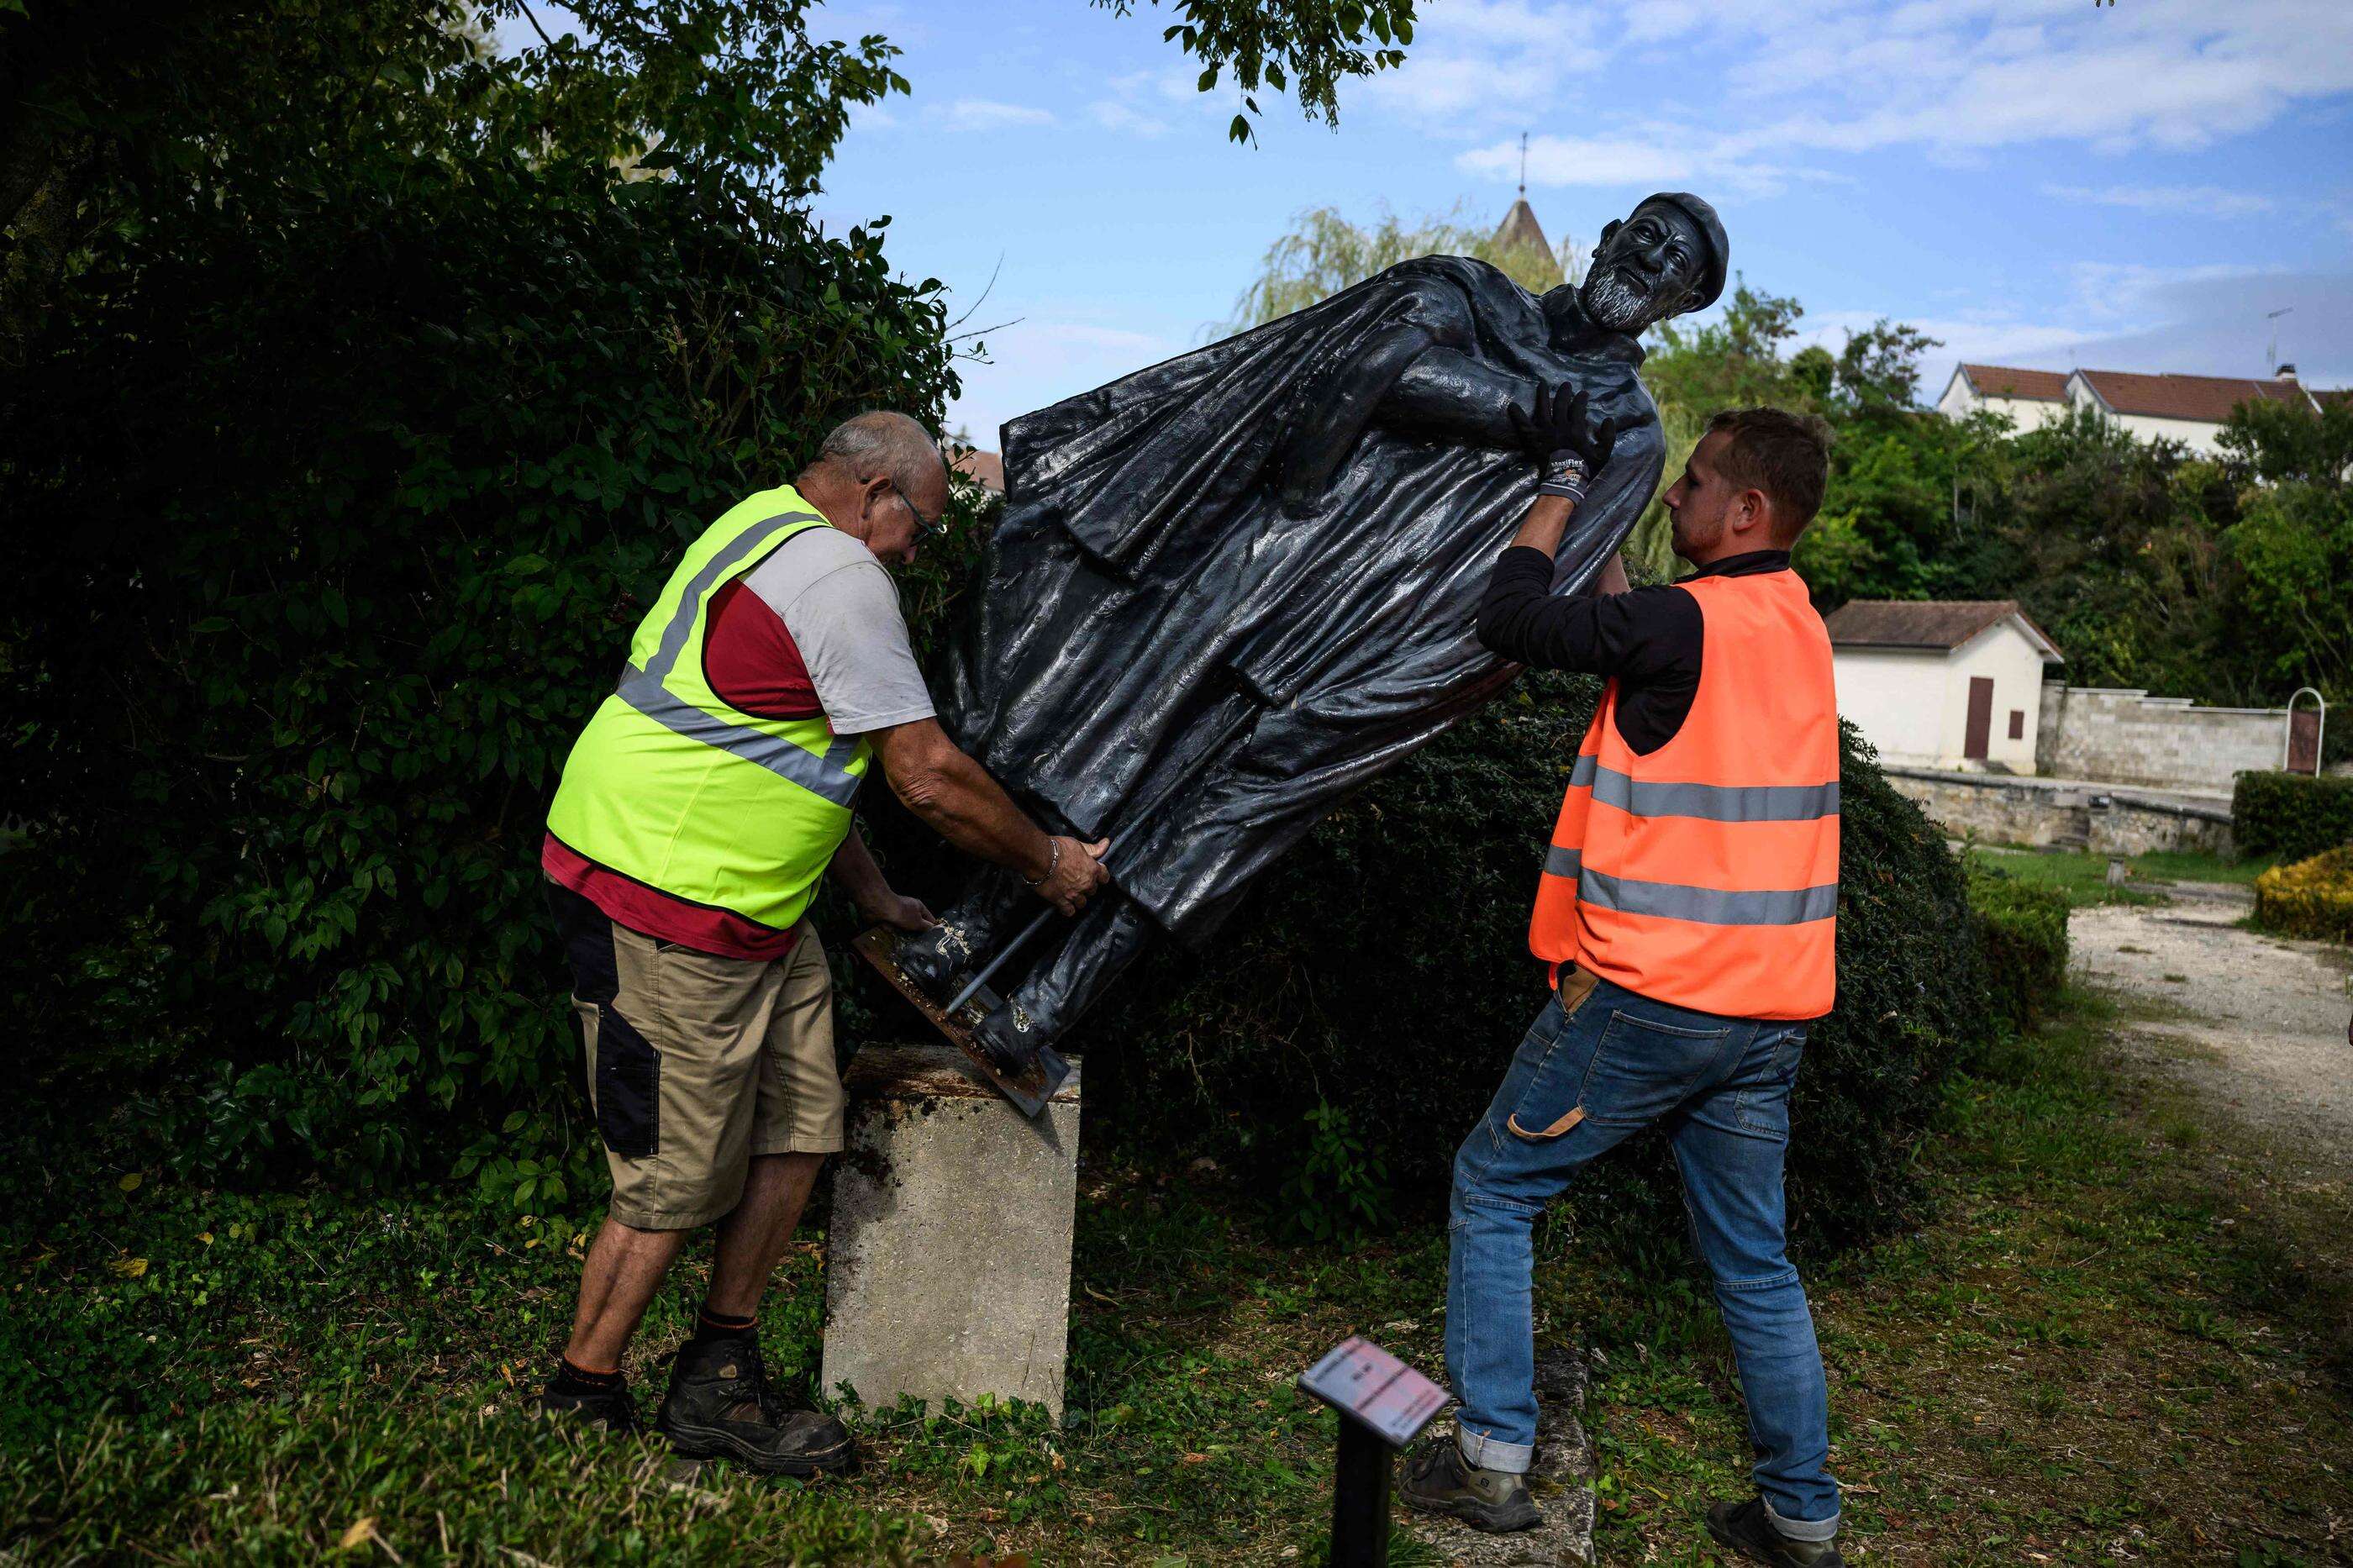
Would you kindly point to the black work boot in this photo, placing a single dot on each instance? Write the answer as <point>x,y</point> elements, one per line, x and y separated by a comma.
<point>932,959</point>
<point>610,1410</point>
<point>1436,1479</point>
<point>1746,1528</point>
<point>1010,1039</point>
<point>720,1406</point>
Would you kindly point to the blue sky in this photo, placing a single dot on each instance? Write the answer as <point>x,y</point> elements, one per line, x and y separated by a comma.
<point>2046,183</point>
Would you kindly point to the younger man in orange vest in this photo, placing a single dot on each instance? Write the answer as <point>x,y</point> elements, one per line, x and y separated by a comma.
<point>1688,909</point>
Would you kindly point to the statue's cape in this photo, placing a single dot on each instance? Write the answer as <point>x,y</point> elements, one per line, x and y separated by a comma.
<point>1147,570</point>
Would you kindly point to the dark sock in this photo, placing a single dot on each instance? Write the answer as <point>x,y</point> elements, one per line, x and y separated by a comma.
<point>710,1325</point>
<point>570,1379</point>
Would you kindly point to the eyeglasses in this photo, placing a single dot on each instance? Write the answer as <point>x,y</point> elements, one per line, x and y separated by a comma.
<point>925,527</point>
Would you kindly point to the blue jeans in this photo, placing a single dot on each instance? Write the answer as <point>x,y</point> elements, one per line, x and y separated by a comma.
<point>1609,1065</point>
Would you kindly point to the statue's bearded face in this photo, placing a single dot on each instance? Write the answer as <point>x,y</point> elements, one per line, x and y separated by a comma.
<point>1645,269</point>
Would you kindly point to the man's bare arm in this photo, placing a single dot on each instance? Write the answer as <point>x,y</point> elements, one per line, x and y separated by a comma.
<point>958,799</point>
<point>870,890</point>
<point>1547,521</point>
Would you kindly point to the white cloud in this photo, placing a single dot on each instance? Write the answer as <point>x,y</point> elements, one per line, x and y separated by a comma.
<point>1476,63</point>
<point>1654,156</point>
<point>2194,321</point>
<point>2197,201</point>
<point>1953,78</point>
<point>1113,115</point>
<point>977,114</point>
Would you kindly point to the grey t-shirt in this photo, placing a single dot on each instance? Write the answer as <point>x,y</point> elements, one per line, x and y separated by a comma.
<point>842,611</point>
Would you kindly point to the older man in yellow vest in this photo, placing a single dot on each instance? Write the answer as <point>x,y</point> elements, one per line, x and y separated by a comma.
<point>698,810</point>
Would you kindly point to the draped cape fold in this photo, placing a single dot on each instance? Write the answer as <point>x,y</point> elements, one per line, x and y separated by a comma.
<point>1149,583</point>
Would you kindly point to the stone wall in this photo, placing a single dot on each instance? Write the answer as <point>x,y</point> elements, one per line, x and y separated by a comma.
<point>2043,813</point>
<point>2121,736</point>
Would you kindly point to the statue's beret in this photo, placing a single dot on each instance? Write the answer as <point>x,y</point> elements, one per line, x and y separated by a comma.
<point>1719,258</point>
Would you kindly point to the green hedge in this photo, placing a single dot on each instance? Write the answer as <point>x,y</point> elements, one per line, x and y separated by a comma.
<point>2311,898</point>
<point>2290,814</point>
<point>1384,971</point>
<point>338,480</point>
<point>2020,930</point>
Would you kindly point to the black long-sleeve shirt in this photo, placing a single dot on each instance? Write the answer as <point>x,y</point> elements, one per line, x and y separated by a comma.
<point>1649,638</point>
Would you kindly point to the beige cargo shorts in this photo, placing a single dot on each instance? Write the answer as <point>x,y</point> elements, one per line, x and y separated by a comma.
<point>696,1063</point>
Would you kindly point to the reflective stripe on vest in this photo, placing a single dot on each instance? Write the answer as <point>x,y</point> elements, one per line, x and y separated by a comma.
<point>1704,874</point>
<point>642,688</point>
<point>672,787</point>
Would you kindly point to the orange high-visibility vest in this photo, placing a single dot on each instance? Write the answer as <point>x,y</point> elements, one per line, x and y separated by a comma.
<point>1704,875</point>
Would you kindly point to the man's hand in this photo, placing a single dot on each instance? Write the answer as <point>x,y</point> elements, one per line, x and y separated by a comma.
<point>1568,444</point>
<point>898,911</point>
<point>1074,870</point>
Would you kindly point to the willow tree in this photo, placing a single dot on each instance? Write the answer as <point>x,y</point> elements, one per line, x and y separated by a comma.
<point>1324,253</point>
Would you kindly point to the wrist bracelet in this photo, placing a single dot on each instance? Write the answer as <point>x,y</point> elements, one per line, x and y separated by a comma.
<point>1053,860</point>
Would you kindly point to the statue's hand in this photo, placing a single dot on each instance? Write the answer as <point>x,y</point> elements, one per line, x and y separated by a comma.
<point>1569,446</point>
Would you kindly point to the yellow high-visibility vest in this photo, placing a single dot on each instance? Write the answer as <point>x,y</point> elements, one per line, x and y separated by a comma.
<point>672,787</point>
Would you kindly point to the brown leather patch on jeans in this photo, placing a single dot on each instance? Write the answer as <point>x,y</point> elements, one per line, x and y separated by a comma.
<point>1575,1114</point>
<point>1576,986</point>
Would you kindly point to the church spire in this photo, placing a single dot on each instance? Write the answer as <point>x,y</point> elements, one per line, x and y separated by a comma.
<point>1519,227</point>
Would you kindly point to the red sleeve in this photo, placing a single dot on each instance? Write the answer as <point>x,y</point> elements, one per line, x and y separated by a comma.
<point>751,660</point>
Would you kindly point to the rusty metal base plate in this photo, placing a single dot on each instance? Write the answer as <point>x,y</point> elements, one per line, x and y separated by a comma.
<point>1031,1091</point>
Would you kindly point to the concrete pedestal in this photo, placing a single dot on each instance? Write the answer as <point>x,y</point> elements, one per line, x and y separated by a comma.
<point>948,1265</point>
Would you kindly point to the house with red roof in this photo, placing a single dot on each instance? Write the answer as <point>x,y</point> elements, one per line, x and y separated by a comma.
<point>2190,409</point>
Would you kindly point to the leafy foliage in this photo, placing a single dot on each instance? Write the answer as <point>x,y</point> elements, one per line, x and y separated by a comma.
<point>1324,252</point>
<point>2290,814</point>
<point>2310,897</point>
<point>1383,971</point>
<point>342,466</point>
<point>2021,938</point>
<point>1307,47</point>
<point>2227,579</point>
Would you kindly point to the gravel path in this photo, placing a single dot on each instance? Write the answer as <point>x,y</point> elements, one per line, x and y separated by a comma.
<point>2263,1017</point>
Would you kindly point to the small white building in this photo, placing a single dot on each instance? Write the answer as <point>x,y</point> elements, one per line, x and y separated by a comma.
<point>1942,683</point>
<point>2030,398</point>
<point>2190,409</point>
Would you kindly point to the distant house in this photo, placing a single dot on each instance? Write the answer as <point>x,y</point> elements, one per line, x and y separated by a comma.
<point>2190,409</point>
<point>985,469</point>
<point>1942,683</point>
<point>2031,398</point>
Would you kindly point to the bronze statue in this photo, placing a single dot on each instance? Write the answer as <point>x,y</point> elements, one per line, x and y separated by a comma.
<point>1229,590</point>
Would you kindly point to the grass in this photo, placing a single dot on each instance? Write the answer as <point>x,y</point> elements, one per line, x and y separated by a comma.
<point>2121,1337</point>
<point>2083,877</point>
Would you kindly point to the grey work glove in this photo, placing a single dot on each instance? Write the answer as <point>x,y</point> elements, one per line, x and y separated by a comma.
<point>1569,446</point>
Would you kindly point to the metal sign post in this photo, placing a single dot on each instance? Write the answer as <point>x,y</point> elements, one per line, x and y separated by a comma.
<point>1383,1404</point>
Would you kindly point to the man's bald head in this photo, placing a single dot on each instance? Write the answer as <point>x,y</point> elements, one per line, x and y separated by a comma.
<point>880,444</point>
<point>879,476</point>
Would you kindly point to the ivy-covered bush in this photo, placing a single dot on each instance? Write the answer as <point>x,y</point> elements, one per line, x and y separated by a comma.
<point>2021,938</point>
<point>2292,815</point>
<point>340,469</point>
<point>1384,971</point>
<point>2310,897</point>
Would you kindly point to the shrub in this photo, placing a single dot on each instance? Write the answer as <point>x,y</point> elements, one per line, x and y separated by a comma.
<point>341,470</point>
<point>2311,898</point>
<point>1383,969</point>
<point>2291,816</point>
<point>2021,929</point>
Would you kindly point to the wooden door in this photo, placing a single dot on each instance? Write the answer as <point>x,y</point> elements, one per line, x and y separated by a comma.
<point>1980,729</point>
<point>2304,740</point>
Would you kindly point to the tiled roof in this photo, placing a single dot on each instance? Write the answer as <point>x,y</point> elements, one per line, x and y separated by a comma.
<point>1520,227</point>
<point>1921,622</point>
<point>985,469</point>
<point>2003,380</point>
<point>2207,398</point>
